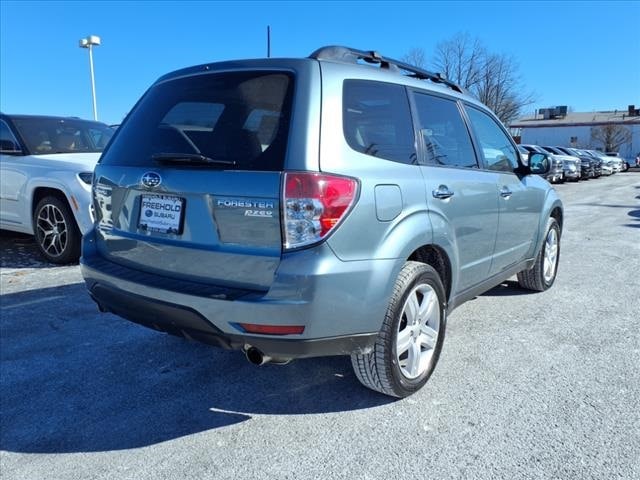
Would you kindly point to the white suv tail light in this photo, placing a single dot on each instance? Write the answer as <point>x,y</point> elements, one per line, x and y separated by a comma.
<point>313,204</point>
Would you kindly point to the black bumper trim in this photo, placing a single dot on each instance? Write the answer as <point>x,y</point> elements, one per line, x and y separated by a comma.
<point>159,281</point>
<point>186,322</point>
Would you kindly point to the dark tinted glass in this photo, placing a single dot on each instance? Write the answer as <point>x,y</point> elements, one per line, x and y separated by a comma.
<point>377,120</point>
<point>240,117</point>
<point>445,136</point>
<point>53,135</point>
<point>497,150</point>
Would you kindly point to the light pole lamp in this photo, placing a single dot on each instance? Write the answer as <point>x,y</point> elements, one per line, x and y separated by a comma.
<point>88,43</point>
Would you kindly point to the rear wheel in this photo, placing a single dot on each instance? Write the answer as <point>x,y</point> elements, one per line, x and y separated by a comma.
<point>56,232</point>
<point>543,273</point>
<point>409,343</point>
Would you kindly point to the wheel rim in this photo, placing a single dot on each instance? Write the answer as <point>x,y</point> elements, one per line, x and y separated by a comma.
<point>550,255</point>
<point>418,331</point>
<point>52,230</point>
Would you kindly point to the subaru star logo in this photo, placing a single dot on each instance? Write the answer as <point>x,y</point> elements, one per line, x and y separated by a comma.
<point>151,179</point>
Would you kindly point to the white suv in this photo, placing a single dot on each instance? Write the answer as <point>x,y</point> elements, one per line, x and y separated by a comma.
<point>46,167</point>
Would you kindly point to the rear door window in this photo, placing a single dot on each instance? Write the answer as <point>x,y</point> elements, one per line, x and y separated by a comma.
<point>239,118</point>
<point>445,137</point>
<point>377,120</point>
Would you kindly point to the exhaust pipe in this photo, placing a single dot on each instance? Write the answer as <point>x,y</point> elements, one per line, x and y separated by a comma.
<point>256,357</point>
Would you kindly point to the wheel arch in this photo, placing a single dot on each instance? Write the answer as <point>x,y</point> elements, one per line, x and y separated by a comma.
<point>437,258</point>
<point>558,214</point>
<point>43,191</point>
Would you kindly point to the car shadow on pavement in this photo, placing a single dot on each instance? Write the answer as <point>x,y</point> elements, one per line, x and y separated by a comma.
<point>507,288</point>
<point>634,212</point>
<point>635,215</point>
<point>74,380</point>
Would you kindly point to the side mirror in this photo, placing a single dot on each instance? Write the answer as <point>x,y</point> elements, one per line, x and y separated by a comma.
<point>8,146</point>
<point>539,163</point>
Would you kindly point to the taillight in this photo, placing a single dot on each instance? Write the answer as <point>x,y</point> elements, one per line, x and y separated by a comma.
<point>313,204</point>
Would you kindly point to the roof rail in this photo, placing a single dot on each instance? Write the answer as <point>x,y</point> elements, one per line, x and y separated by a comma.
<point>352,55</point>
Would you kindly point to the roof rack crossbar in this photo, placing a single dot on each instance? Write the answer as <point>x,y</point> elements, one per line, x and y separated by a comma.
<point>352,55</point>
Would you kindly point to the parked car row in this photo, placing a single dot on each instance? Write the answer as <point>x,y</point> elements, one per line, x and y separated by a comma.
<point>575,164</point>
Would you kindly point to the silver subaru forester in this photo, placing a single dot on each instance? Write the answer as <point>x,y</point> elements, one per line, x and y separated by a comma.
<point>341,204</point>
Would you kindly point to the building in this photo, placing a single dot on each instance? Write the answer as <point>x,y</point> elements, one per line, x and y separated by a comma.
<point>558,126</point>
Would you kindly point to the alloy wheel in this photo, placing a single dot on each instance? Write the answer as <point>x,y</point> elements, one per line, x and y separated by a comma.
<point>418,331</point>
<point>52,230</point>
<point>550,255</point>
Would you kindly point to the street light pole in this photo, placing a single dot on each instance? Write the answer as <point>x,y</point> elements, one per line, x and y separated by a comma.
<point>88,43</point>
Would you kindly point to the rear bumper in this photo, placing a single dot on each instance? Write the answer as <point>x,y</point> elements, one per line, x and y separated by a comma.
<point>186,322</point>
<point>340,304</point>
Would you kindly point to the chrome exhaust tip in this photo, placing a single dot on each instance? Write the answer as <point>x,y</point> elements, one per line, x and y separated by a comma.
<point>256,357</point>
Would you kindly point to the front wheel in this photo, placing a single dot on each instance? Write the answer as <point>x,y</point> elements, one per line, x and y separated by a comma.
<point>56,232</point>
<point>545,269</point>
<point>410,340</point>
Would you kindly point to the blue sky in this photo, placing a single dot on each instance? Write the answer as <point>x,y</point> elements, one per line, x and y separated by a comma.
<point>585,54</point>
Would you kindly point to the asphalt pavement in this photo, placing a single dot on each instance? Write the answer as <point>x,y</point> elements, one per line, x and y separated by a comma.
<point>543,386</point>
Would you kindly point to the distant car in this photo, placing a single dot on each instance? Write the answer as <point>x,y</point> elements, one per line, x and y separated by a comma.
<point>597,165</point>
<point>46,168</point>
<point>556,173</point>
<point>613,162</point>
<point>589,165</point>
<point>584,167</point>
<point>626,164</point>
<point>571,165</point>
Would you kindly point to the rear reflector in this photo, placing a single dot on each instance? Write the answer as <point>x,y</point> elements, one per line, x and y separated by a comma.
<point>272,329</point>
<point>313,204</point>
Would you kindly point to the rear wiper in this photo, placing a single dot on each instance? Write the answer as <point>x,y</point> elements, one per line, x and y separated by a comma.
<point>189,159</point>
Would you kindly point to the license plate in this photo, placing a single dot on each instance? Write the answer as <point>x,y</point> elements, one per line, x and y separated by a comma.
<point>161,213</point>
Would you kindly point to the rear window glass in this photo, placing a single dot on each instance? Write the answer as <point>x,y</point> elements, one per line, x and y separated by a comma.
<point>377,120</point>
<point>240,119</point>
<point>55,135</point>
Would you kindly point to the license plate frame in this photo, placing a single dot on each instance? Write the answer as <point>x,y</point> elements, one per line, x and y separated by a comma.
<point>157,213</point>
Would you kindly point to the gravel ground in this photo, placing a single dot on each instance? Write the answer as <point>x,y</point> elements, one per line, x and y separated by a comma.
<point>543,386</point>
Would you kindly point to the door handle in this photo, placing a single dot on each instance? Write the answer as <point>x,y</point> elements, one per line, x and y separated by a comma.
<point>442,192</point>
<point>505,192</point>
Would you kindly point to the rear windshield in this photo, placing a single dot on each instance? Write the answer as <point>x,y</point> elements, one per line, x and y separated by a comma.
<point>55,135</point>
<point>237,119</point>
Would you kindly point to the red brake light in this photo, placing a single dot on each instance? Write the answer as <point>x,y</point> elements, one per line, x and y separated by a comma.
<point>273,329</point>
<point>313,204</point>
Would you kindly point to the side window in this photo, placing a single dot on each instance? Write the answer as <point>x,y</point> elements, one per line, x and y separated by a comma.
<point>100,137</point>
<point>444,133</point>
<point>8,142</point>
<point>497,149</point>
<point>377,120</point>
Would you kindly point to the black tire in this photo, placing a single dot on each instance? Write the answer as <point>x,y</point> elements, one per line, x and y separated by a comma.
<point>56,232</point>
<point>535,278</point>
<point>381,370</point>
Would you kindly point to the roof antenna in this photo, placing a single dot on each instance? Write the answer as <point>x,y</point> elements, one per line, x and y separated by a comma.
<point>268,41</point>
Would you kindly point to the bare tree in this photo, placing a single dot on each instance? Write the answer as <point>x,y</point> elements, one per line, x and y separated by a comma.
<point>612,136</point>
<point>490,77</point>
<point>499,88</point>
<point>460,59</point>
<point>416,56</point>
